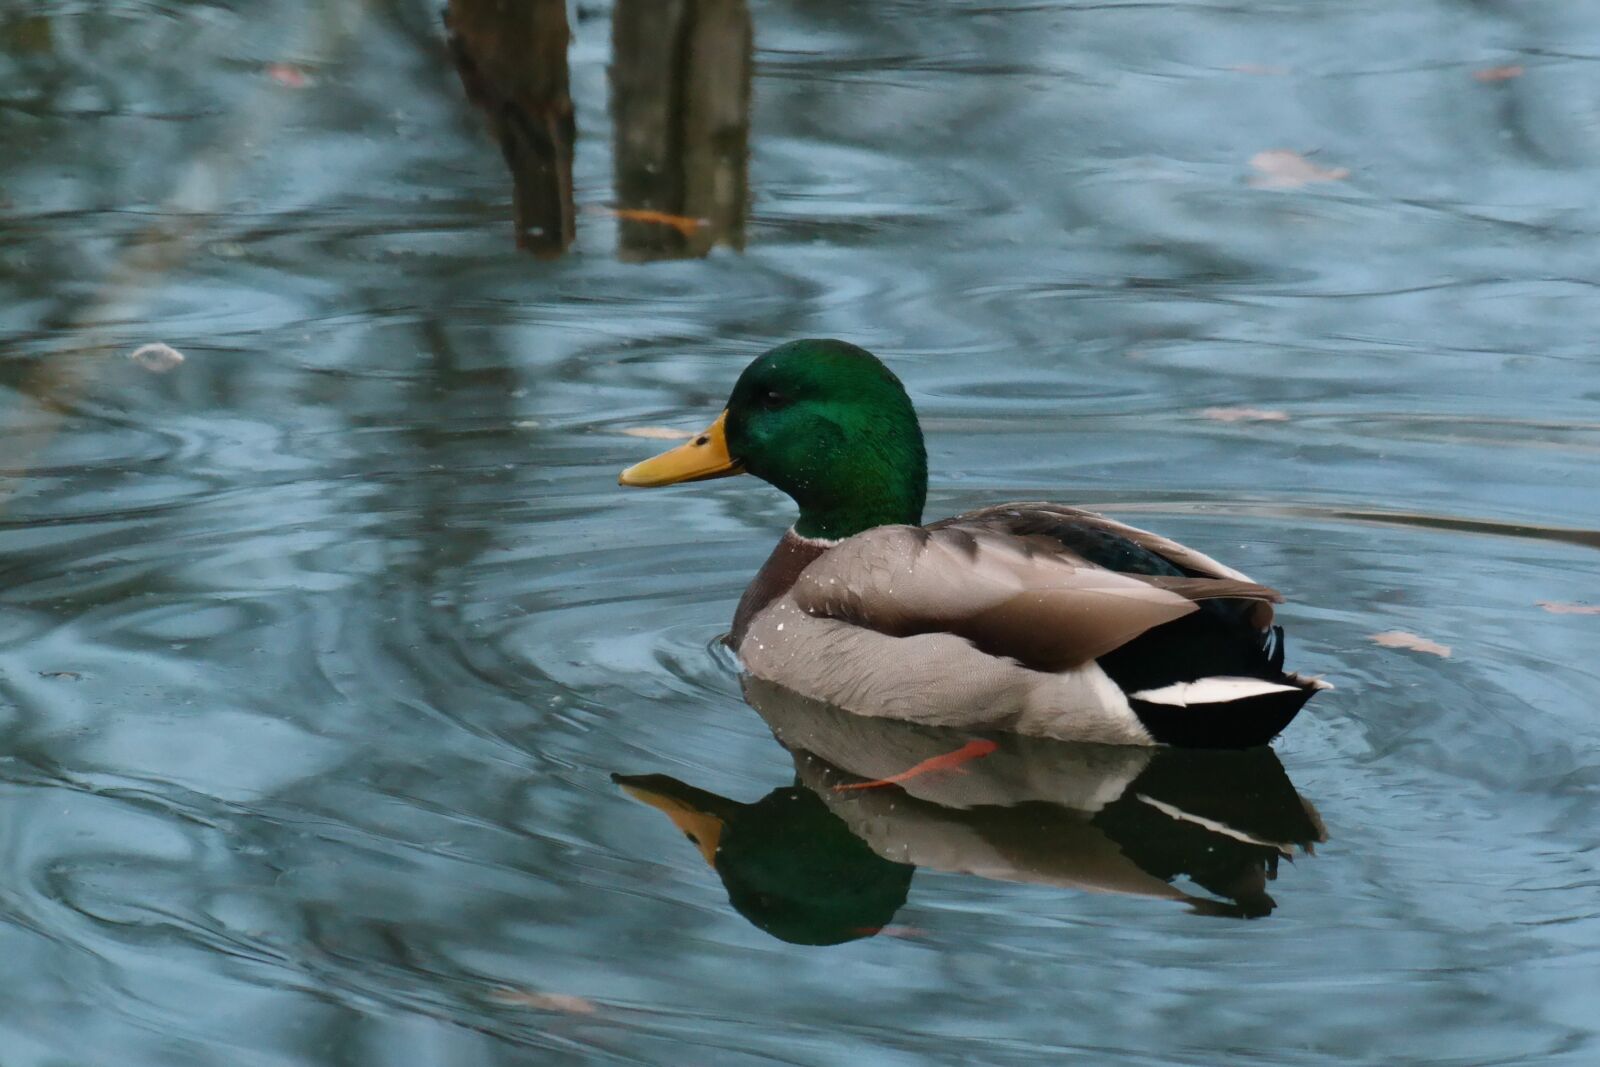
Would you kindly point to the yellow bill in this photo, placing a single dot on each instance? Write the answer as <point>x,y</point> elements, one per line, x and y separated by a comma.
<point>703,828</point>
<point>706,456</point>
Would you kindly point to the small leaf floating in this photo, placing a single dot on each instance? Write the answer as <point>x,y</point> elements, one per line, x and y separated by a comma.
<point>1244,415</point>
<point>1497,74</point>
<point>658,433</point>
<point>561,1002</point>
<point>682,223</point>
<point>1282,168</point>
<point>1411,642</point>
<point>288,75</point>
<point>1556,607</point>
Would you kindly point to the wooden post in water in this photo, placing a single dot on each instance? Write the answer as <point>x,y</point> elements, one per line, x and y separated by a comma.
<point>512,58</point>
<point>680,107</point>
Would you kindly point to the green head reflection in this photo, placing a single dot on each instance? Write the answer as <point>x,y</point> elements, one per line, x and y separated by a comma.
<point>790,865</point>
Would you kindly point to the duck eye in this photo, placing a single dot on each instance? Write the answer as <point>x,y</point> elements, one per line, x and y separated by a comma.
<point>771,399</point>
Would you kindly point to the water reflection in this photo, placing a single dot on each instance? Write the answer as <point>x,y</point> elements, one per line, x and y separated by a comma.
<point>513,64</point>
<point>824,861</point>
<point>680,106</point>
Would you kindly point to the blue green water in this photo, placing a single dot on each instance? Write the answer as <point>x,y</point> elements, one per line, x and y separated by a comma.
<point>318,650</point>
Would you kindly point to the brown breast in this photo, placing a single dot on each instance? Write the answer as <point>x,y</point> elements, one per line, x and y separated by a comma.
<point>791,556</point>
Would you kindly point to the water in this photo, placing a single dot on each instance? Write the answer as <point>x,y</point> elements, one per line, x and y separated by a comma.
<point>320,649</point>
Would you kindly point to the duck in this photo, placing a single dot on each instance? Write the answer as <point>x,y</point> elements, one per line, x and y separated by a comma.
<point>1031,617</point>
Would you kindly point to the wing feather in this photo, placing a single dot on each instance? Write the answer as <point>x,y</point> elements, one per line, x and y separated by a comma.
<point>1027,598</point>
<point>1034,516</point>
<point>1023,595</point>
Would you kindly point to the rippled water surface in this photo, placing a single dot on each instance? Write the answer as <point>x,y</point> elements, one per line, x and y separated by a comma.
<point>320,649</point>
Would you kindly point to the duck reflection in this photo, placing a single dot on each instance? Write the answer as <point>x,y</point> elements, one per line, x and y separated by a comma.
<point>830,858</point>
<point>680,107</point>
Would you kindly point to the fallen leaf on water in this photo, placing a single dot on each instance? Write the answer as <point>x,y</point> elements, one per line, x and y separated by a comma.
<point>949,761</point>
<point>658,433</point>
<point>906,932</point>
<point>288,75</point>
<point>156,358</point>
<point>1556,607</point>
<point>1244,415</point>
<point>1282,168</point>
<point>562,1002</point>
<point>682,223</point>
<point>1497,74</point>
<point>1261,69</point>
<point>1410,641</point>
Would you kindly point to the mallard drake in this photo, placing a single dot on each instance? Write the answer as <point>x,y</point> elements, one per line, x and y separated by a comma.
<point>1033,618</point>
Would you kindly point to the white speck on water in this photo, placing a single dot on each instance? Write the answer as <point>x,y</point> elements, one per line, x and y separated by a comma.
<point>156,358</point>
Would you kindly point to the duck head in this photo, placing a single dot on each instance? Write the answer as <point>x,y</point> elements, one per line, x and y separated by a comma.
<point>822,420</point>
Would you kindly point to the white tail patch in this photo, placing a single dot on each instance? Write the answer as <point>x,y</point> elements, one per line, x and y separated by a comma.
<point>1218,690</point>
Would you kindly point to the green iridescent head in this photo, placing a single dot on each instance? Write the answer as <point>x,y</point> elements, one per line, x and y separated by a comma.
<point>822,420</point>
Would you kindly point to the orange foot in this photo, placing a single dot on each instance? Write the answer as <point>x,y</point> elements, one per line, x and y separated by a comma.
<point>950,761</point>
